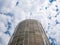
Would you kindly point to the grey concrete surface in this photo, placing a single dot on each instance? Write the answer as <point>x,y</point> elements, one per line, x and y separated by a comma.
<point>29,32</point>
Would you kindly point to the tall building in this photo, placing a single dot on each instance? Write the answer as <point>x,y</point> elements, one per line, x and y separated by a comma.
<point>29,32</point>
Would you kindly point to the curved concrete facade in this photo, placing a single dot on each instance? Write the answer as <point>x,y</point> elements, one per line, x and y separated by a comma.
<point>29,32</point>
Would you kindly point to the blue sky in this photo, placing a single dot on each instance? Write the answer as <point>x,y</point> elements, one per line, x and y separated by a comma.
<point>13,12</point>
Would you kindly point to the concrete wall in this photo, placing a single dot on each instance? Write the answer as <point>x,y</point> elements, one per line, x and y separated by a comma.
<point>29,32</point>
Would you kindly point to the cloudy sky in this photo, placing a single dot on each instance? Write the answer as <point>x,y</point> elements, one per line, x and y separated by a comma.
<point>13,12</point>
